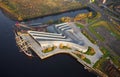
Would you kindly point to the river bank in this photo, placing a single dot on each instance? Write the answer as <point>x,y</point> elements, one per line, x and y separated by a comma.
<point>7,10</point>
<point>24,13</point>
<point>14,16</point>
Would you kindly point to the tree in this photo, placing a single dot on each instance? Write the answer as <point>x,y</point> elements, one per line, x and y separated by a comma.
<point>61,46</point>
<point>82,57</point>
<point>20,18</point>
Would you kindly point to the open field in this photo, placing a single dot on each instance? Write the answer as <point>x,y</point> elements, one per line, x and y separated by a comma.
<point>92,29</point>
<point>26,9</point>
<point>107,26</point>
<point>88,36</point>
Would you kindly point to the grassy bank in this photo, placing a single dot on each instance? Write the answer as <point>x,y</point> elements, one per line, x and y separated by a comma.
<point>8,10</point>
<point>79,25</point>
<point>27,9</point>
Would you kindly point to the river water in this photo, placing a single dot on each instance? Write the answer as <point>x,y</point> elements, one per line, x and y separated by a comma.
<point>16,64</point>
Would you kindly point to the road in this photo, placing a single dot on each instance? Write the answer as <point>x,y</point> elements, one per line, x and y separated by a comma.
<point>103,17</point>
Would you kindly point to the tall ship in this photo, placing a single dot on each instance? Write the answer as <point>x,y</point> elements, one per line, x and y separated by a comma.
<point>21,33</point>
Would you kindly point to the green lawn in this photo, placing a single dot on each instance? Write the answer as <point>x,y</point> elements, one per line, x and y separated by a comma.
<point>92,29</point>
<point>104,50</point>
<point>89,37</point>
<point>48,49</point>
<point>65,47</point>
<point>92,20</point>
<point>111,28</point>
<point>90,51</point>
<point>87,60</point>
<point>79,25</point>
<point>115,60</point>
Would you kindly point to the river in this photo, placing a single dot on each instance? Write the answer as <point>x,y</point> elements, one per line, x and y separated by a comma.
<point>16,64</point>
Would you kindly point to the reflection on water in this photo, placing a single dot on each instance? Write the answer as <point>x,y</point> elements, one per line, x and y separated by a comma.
<point>56,17</point>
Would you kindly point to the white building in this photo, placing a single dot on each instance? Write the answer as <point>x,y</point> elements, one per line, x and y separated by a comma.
<point>65,36</point>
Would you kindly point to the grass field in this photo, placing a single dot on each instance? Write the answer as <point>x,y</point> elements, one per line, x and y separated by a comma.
<point>108,26</point>
<point>92,29</point>
<point>79,25</point>
<point>88,36</point>
<point>26,9</point>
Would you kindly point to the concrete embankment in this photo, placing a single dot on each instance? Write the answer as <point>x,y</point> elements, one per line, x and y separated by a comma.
<point>86,66</point>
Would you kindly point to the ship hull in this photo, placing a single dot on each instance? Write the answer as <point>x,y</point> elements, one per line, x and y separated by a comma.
<point>23,46</point>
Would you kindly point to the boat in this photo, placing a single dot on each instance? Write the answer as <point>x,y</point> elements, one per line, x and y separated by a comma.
<point>21,33</point>
<point>23,46</point>
<point>21,43</point>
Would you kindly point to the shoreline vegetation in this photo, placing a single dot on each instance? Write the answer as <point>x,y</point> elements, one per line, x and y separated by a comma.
<point>25,10</point>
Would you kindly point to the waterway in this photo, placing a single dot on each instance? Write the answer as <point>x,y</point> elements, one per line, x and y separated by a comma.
<point>16,64</point>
